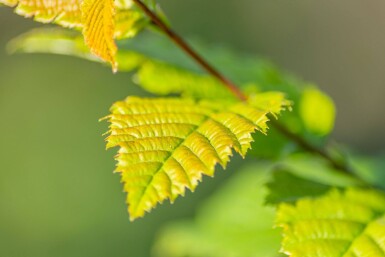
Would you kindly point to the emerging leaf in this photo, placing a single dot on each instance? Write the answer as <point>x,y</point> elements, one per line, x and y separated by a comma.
<point>339,224</point>
<point>166,145</point>
<point>98,30</point>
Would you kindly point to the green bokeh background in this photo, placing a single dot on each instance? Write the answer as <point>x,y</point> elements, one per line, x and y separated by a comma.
<point>58,196</point>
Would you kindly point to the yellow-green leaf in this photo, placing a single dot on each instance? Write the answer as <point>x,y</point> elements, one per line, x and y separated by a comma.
<point>66,13</point>
<point>339,224</point>
<point>96,18</point>
<point>164,79</point>
<point>99,27</point>
<point>166,145</point>
<point>317,111</point>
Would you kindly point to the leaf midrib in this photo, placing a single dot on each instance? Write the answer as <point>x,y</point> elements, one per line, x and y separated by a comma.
<point>166,160</point>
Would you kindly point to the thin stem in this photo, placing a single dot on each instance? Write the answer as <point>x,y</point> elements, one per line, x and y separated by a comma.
<point>190,51</point>
<point>182,44</point>
<point>310,148</point>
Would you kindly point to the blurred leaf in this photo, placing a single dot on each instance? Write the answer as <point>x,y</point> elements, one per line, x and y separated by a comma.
<point>53,41</point>
<point>340,224</point>
<point>166,145</point>
<point>317,169</point>
<point>163,79</point>
<point>371,169</point>
<point>286,187</point>
<point>317,111</point>
<point>278,145</point>
<point>232,223</point>
<point>301,175</point>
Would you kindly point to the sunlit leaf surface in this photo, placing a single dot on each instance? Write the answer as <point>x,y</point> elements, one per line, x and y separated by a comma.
<point>166,145</point>
<point>98,28</point>
<point>101,20</point>
<point>66,13</point>
<point>340,224</point>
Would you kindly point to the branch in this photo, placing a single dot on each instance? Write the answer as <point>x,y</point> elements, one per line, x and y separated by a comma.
<point>342,166</point>
<point>182,44</point>
<point>189,51</point>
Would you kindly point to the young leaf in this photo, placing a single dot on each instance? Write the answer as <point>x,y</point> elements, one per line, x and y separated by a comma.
<point>166,145</point>
<point>340,224</point>
<point>101,21</point>
<point>99,27</point>
<point>66,13</point>
<point>287,187</point>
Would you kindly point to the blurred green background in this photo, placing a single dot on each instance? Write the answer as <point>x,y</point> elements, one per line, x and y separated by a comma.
<point>58,196</point>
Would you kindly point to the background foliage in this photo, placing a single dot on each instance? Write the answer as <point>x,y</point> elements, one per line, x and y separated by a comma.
<point>43,202</point>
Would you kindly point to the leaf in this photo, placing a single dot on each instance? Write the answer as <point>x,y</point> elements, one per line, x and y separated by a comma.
<point>99,28</point>
<point>101,21</point>
<point>301,175</point>
<point>370,169</point>
<point>164,79</point>
<point>166,145</point>
<point>317,111</point>
<point>66,13</point>
<point>52,40</point>
<point>233,222</point>
<point>340,224</point>
<point>317,169</point>
<point>287,187</point>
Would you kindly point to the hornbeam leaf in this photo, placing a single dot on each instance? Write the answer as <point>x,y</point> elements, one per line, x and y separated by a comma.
<point>66,13</point>
<point>101,20</point>
<point>167,144</point>
<point>98,30</point>
<point>339,224</point>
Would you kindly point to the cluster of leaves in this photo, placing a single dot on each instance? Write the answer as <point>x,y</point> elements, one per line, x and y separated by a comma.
<point>167,144</point>
<point>101,21</point>
<point>320,215</point>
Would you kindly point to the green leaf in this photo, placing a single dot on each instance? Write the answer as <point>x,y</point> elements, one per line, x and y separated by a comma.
<point>317,169</point>
<point>231,223</point>
<point>370,169</point>
<point>166,145</point>
<point>164,79</point>
<point>340,224</point>
<point>53,41</point>
<point>301,175</point>
<point>317,111</point>
<point>287,187</point>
